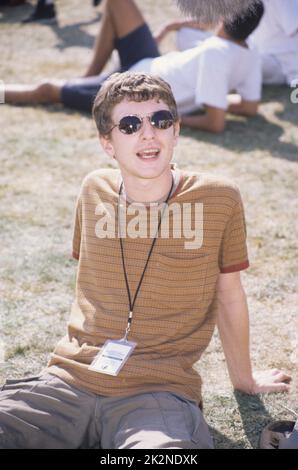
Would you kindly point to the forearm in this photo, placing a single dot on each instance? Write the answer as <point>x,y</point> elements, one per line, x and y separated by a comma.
<point>241,107</point>
<point>238,109</point>
<point>176,25</point>
<point>233,326</point>
<point>193,24</point>
<point>203,122</point>
<point>196,122</point>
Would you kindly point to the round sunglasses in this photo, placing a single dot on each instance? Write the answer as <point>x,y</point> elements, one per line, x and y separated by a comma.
<point>162,119</point>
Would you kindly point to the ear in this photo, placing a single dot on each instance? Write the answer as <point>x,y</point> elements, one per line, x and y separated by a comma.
<point>107,145</point>
<point>176,132</point>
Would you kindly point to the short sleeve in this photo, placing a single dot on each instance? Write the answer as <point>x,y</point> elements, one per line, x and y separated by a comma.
<point>233,253</point>
<point>251,88</point>
<point>76,240</point>
<point>212,82</point>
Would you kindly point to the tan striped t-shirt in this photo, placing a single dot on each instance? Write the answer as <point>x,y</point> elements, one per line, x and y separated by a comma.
<point>175,311</point>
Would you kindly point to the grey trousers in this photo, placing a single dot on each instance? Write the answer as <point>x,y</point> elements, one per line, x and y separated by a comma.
<point>47,413</point>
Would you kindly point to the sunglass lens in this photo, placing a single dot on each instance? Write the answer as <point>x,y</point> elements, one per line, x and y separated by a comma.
<point>130,124</point>
<point>162,119</point>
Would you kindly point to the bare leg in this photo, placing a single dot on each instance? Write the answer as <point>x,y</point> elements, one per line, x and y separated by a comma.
<point>43,93</point>
<point>104,44</point>
<point>120,17</point>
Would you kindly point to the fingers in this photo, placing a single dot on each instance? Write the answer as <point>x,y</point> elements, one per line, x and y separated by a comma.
<point>280,376</point>
<point>271,388</point>
<point>275,387</point>
<point>272,380</point>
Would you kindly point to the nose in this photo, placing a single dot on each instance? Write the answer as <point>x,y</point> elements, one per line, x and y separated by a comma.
<point>147,130</point>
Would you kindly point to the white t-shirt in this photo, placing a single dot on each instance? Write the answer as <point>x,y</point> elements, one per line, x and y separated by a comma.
<point>277,34</point>
<point>205,74</point>
<point>186,37</point>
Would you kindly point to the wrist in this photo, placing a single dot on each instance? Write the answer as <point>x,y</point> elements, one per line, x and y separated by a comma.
<point>175,26</point>
<point>245,385</point>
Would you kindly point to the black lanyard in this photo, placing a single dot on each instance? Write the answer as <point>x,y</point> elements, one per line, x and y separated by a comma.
<point>133,301</point>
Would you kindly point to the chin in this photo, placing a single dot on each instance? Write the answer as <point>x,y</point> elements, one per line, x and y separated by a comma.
<point>152,172</point>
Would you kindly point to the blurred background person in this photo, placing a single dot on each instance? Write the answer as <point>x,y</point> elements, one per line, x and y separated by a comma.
<point>202,78</point>
<point>277,41</point>
<point>276,38</point>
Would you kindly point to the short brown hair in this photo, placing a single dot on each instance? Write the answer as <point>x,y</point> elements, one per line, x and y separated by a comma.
<point>133,86</point>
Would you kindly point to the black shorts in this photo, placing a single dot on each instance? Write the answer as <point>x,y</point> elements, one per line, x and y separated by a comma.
<point>139,44</point>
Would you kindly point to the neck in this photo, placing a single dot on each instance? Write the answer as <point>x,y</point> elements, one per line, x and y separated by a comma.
<point>147,190</point>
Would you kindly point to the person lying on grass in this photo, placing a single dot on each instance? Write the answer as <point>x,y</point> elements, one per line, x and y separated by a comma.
<point>202,78</point>
<point>276,39</point>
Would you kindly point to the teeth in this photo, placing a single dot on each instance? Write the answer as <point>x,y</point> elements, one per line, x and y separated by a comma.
<point>149,153</point>
<point>152,155</point>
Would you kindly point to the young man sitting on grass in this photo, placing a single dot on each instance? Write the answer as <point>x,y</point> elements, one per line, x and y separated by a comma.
<point>149,292</point>
<point>201,78</point>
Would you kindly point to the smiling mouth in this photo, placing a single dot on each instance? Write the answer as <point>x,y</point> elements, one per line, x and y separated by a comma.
<point>148,154</point>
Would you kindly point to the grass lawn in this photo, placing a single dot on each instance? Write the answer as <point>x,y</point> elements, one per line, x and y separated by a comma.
<point>46,152</point>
